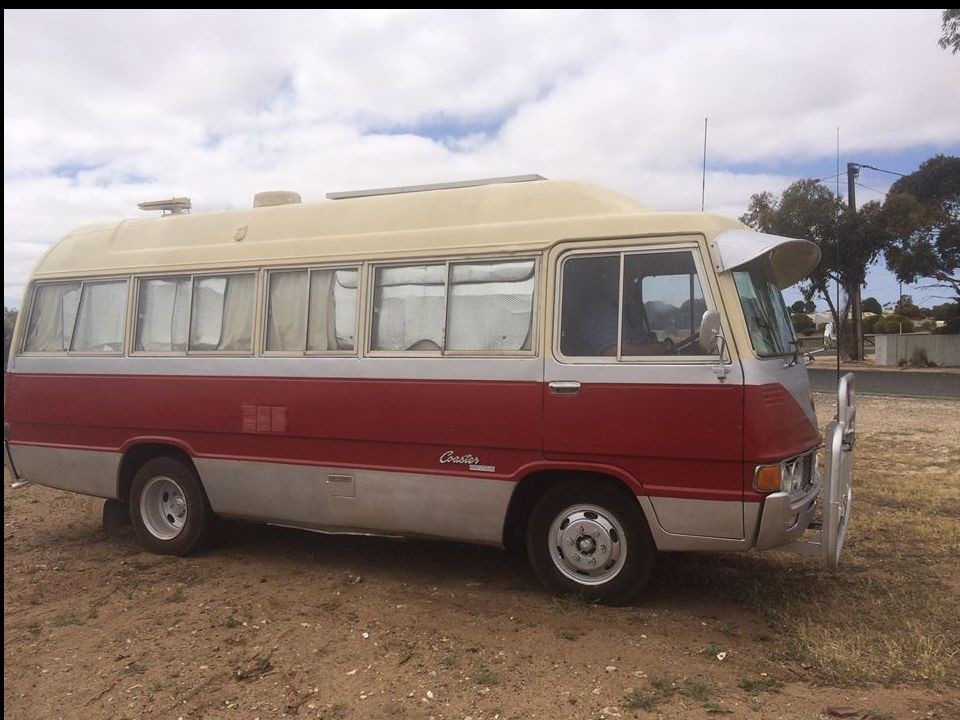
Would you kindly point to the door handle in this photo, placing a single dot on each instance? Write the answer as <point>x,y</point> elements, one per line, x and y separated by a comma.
<point>568,387</point>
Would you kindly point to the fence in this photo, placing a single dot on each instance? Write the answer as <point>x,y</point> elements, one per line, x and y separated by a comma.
<point>944,350</point>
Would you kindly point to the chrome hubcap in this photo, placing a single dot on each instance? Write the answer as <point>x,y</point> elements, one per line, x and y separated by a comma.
<point>587,544</point>
<point>163,507</point>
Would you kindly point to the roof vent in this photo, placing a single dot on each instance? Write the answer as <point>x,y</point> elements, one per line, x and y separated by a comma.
<point>171,206</point>
<point>270,198</point>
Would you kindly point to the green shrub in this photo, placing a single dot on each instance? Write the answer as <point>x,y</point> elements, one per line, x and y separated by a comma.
<point>802,323</point>
<point>891,324</point>
<point>919,358</point>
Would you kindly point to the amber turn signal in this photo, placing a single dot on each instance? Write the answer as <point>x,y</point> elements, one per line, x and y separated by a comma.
<point>768,478</point>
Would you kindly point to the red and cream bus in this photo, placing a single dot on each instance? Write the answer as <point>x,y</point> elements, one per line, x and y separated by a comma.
<point>509,362</point>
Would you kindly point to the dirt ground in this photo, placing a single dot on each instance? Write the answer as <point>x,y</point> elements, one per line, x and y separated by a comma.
<point>281,623</point>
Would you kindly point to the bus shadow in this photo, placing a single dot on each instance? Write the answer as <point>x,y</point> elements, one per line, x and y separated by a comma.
<point>750,580</point>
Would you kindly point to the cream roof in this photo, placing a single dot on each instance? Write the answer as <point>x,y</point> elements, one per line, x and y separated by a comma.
<point>519,217</point>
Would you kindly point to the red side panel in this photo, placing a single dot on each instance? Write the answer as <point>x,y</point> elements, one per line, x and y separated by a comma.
<point>696,441</point>
<point>678,440</point>
<point>389,424</point>
<point>775,426</point>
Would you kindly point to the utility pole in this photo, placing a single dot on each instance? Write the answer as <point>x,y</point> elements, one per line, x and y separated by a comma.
<point>853,170</point>
<point>900,308</point>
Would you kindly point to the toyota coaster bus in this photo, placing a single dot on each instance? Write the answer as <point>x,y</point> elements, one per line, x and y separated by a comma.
<point>514,362</point>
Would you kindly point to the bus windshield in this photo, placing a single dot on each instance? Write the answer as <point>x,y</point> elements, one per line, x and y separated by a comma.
<point>771,331</point>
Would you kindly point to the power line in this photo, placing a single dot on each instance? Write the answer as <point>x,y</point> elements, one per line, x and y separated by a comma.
<point>873,189</point>
<point>823,180</point>
<point>871,167</point>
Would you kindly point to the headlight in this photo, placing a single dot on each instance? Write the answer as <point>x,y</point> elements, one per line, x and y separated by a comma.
<point>787,476</point>
<point>791,479</point>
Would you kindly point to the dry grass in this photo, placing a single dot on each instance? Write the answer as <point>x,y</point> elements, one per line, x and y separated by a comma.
<point>892,612</point>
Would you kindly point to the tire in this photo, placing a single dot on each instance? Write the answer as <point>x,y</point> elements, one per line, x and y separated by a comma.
<point>169,510</point>
<point>591,540</point>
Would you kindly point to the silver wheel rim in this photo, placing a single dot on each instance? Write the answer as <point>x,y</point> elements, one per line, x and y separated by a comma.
<point>587,544</point>
<point>163,508</point>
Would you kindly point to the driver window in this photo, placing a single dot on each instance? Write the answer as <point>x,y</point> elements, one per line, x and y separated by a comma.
<point>666,292</point>
<point>654,311</point>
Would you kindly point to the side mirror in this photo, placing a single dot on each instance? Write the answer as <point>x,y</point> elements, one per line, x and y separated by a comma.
<point>709,331</point>
<point>828,337</point>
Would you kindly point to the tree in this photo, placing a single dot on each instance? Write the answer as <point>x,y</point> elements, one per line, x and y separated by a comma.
<point>906,308</point>
<point>946,311</point>
<point>950,314</point>
<point>922,213</point>
<point>807,209</point>
<point>809,306</point>
<point>797,307</point>
<point>872,305</point>
<point>950,39</point>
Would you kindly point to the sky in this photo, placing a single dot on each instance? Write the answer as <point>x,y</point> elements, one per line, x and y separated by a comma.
<point>105,109</point>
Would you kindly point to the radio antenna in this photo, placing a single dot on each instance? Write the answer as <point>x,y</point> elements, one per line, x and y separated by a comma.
<point>703,184</point>
<point>840,313</point>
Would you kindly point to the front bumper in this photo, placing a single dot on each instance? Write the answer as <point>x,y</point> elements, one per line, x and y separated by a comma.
<point>785,518</point>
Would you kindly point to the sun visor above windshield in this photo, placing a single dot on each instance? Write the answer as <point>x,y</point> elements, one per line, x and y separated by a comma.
<point>792,259</point>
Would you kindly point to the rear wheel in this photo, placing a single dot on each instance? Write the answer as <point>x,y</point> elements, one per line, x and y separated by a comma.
<point>169,509</point>
<point>590,540</point>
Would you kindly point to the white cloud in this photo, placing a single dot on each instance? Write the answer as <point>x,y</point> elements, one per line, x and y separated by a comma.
<point>104,109</point>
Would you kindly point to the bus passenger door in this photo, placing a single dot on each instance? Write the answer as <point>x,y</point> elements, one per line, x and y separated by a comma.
<point>629,389</point>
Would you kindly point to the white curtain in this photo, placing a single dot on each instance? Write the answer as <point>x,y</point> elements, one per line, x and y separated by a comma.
<point>103,310</point>
<point>54,310</point>
<point>237,326</point>
<point>287,311</point>
<point>163,311</point>
<point>322,334</point>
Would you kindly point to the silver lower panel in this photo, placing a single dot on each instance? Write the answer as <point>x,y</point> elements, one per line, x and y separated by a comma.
<point>675,542</point>
<point>334,499</point>
<point>705,518</point>
<point>469,509</point>
<point>90,472</point>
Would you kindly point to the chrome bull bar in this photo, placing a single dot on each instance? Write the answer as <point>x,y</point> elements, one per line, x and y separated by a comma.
<point>836,492</point>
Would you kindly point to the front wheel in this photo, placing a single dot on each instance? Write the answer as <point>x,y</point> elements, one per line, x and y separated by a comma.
<point>169,509</point>
<point>590,540</point>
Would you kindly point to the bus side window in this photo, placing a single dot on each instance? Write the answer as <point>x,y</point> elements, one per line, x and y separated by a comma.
<point>103,310</point>
<point>490,306</point>
<point>221,316</point>
<point>312,311</point>
<point>52,315</point>
<point>408,307</point>
<point>287,311</point>
<point>481,306</point>
<point>333,310</point>
<point>163,313</point>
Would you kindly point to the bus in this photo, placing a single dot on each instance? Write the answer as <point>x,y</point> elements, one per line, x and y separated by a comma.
<point>518,362</point>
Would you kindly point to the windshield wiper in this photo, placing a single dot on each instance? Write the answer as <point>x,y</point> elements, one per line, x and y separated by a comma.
<point>772,338</point>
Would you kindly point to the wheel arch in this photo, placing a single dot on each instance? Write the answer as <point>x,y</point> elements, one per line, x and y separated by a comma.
<point>532,487</point>
<point>137,453</point>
